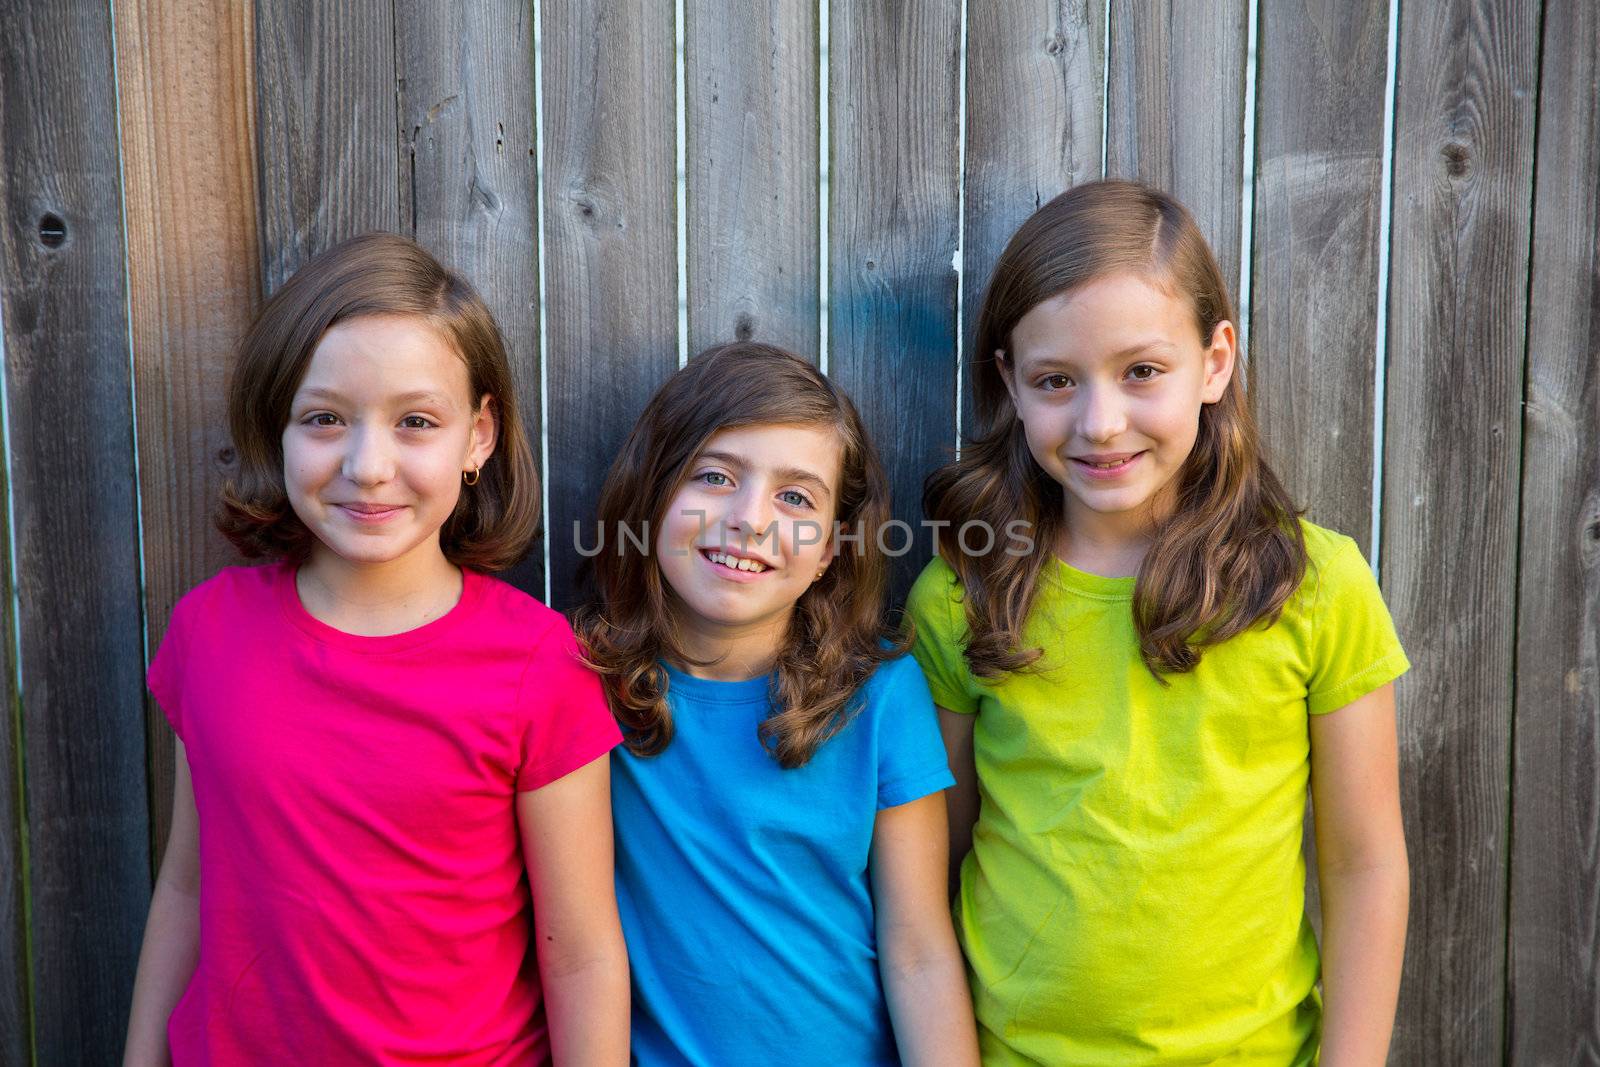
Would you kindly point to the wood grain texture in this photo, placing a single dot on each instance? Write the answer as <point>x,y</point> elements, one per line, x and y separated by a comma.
<point>892,233</point>
<point>1176,112</point>
<point>186,91</point>
<point>15,970</point>
<point>1555,832</point>
<point>468,174</point>
<point>611,297</point>
<point>751,100</point>
<point>1318,187</point>
<point>1035,103</point>
<point>326,126</point>
<point>74,524</point>
<point>1463,162</point>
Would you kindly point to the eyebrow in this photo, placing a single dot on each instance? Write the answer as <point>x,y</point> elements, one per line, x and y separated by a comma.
<point>419,396</point>
<point>785,474</point>
<point>1121,354</point>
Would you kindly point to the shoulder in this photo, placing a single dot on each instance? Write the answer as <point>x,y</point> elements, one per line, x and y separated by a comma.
<point>1333,562</point>
<point>934,602</point>
<point>506,608</point>
<point>232,590</point>
<point>895,679</point>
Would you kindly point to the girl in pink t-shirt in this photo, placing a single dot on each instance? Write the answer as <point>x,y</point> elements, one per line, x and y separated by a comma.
<point>380,749</point>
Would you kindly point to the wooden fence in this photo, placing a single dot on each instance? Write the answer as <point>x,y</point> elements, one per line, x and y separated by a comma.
<point>1422,329</point>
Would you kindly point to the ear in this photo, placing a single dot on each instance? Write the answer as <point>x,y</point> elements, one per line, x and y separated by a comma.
<point>1007,373</point>
<point>485,433</point>
<point>1219,359</point>
<point>830,552</point>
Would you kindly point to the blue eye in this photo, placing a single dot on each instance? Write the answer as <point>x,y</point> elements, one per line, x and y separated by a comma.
<point>714,478</point>
<point>794,498</point>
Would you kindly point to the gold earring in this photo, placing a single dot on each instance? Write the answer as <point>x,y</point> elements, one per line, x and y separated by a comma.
<point>470,479</point>
<point>821,573</point>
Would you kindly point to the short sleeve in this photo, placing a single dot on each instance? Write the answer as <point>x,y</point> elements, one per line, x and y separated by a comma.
<point>911,756</point>
<point>167,669</point>
<point>568,722</point>
<point>1354,646</point>
<point>940,638</point>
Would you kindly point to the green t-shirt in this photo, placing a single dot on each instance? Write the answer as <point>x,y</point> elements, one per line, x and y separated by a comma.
<point>1136,889</point>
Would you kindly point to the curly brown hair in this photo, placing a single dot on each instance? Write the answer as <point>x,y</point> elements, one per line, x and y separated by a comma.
<point>496,519</point>
<point>1231,553</point>
<point>837,635</point>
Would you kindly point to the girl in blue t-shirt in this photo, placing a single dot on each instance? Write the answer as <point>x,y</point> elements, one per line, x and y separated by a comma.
<point>781,840</point>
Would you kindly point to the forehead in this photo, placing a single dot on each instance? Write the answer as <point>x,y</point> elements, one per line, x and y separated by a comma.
<point>814,449</point>
<point>376,354</point>
<point>1104,316</point>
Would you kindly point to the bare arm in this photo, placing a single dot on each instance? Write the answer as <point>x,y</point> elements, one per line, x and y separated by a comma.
<point>1365,879</point>
<point>172,932</point>
<point>583,964</point>
<point>961,799</point>
<point>924,979</point>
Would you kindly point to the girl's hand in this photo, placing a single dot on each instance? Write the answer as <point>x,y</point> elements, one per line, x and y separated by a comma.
<point>961,799</point>
<point>1365,880</point>
<point>583,963</point>
<point>924,978</point>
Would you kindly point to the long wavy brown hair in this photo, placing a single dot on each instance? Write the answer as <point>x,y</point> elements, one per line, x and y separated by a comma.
<point>1229,555</point>
<point>837,634</point>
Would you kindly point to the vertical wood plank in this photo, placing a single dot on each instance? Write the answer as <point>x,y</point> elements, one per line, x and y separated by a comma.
<point>751,101</point>
<point>893,218</point>
<point>62,301</point>
<point>611,305</point>
<point>326,127</point>
<point>1318,188</point>
<point>1453,430</point>
<point>1176,113</point>
<point>1035,102</point>
<point>186,89</point>
<point>15,1040</point>
<point>1555,834</point>
<point>466,104</point>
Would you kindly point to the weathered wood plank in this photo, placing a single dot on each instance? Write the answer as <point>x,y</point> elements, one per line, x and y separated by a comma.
<point>1314,312</point>
<point>468,174</point>
<point>1035,103</point>
<point>15,970</point>
<point>62,302</point>
<point>186,89</point>
<point>1176,113</point>
<point>1463,161</point>
<point>326,126</point>
<point>1555,834</point>
<point>892,224</point>
<point>751,102</point>
<point>611,301</point>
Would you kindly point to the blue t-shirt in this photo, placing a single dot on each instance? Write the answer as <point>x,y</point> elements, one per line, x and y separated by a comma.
<point>743,887</point>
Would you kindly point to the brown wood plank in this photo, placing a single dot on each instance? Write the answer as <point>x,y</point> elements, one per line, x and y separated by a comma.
<point>326,126</point>
<point>1463,162</point>
<point>611,298</point>
<point>892,222</point>
<point>1318,185</point>
<point>1035,103</point>
<point>751,101</point>
<point>186,91</point>
<point>1555,832</point>
<point>15,1040</point>
<point>62,302</point>
<point>1176,112</point>
<point>468,176</point>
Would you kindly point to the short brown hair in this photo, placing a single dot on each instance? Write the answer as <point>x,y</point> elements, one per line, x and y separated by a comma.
<point>495,520</point>
<point>837,635</point>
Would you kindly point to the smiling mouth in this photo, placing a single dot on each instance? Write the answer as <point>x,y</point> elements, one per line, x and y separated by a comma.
<point>735,563</point>
<point>1106,465</point>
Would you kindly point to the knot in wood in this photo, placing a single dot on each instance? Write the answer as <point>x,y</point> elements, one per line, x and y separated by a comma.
<point>52,230</point>
<point>1457,159</point>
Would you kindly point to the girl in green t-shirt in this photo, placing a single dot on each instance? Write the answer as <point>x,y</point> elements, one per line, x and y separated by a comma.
<point>1137,693</point>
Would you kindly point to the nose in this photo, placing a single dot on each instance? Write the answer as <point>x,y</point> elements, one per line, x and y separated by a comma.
<point>1101,417</point>
<point>750,512</point>
<point>369,458</point>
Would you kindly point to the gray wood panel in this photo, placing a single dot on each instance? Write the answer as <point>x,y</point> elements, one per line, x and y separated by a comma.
<point>611,299</point>
<point>1555,833</point>
<point>892,232</point>
<point>326,125</point>
<point>62,301</point>
<point>468,173</point>
<point>1176,112</point>
<point>1463,163</point>
<point>1035,105</point>
<point>751,104</point>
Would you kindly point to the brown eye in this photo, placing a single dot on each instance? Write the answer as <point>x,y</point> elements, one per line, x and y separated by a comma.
<point>1142,372</point>
<point>1051,383</point>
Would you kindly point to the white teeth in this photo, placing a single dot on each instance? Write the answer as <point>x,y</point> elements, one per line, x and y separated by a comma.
<point>735,562</point>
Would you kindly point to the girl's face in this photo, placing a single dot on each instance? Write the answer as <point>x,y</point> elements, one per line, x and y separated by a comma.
<point>750,530</point>
<point>1108,380</point>
<point>380,432</point>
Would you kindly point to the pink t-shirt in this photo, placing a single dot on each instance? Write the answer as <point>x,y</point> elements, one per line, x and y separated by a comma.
<point>362,890</point>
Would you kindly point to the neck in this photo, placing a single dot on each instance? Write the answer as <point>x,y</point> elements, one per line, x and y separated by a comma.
<point>731,653</point>
<point>377,599</point>
<point>1112,545</point>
